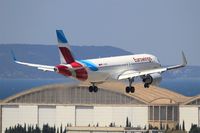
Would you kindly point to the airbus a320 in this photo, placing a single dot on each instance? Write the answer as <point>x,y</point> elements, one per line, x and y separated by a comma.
<point>96,71</point>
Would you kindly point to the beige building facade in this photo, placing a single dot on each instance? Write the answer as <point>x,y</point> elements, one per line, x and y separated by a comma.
<point>75,106</point>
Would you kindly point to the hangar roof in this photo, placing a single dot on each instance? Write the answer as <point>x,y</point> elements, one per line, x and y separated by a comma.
<point>151,95</point>
<point>114,90</point>
<point>193,101</point>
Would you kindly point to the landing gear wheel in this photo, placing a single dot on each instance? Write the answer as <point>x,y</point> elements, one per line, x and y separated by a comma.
<point>95,88</point>
<point>146,85</point>
<point>132,89</point>
<point>127,89</point>
<point>90,88</point>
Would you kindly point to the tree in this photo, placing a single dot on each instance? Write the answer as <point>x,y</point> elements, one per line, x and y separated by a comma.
<point>177,126</point>
<point>127,122</point>
<point>6,131</point>
<point>183,125</point>
<point>150,127</point>
<point>65,131</point>
<point>194,129</point>
<point>161,126</point>
<point>61,130</point>
<point>37,129</point>
<point>54,129</point>
<point>167,127</point>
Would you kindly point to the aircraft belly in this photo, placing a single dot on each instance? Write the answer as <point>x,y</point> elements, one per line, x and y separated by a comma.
<point>97,76</point>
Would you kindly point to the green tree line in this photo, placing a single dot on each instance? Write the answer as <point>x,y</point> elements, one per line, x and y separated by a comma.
<point>35,129</point>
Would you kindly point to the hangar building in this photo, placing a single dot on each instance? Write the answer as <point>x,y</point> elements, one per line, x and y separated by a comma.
<point>73,105</point>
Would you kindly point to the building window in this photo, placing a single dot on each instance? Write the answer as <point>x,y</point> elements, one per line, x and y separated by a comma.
<point>163,113</point>
<point>151,112</point>
<point>169,113</point>
<point>156,112</point>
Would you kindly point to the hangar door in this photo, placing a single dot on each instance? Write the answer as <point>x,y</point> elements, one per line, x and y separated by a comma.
<point>84,115</point>
<point>199,116</point>
<point>47,115</point>
<point>10,116</point>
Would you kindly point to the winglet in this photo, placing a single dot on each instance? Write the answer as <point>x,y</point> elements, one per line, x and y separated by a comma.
<point>183,64</point>
<point>13,55</point>
<point>61,36</point>
<point>184,59</point>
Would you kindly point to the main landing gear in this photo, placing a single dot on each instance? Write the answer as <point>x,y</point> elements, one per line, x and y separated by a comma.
<point>146,85</point>
<point>130,88</point>
<point>93,88</point>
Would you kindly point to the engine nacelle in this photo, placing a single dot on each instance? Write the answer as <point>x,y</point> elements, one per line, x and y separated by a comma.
<point>153,79</point>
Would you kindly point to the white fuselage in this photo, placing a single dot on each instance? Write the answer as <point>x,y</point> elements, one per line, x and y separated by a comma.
<point>109,68</point>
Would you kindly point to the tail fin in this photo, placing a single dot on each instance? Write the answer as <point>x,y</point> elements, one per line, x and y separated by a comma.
<point>66,55</point>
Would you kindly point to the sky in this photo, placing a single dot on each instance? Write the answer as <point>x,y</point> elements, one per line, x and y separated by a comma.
<point>162,28</point>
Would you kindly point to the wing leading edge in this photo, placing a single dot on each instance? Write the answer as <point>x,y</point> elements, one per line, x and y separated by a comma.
<point>38,66</point>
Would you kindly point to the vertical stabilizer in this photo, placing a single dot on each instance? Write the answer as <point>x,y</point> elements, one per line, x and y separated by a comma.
<point>66,55</point>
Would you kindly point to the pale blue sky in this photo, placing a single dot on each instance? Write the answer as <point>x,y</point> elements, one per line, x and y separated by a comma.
<point>162,28</point>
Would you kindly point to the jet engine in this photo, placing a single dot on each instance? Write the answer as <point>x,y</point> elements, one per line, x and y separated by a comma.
<point>153,79</point>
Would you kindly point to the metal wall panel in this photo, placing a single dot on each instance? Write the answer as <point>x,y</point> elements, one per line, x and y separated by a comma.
<point>65,115</point>
<point>10,116</point>
<point>0,119</point>
<point>140,116</point>
<point>84,115</point>
<point>102,115</point>
<point>189,115</point>
<point>47,115</point>
<point>28,115</point>
<point>120,114</point>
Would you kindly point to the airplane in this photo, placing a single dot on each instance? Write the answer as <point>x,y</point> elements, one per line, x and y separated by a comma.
<point>97,71</point>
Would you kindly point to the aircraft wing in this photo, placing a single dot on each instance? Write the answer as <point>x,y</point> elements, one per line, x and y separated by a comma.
<point>38,66</point>
<point>131,73</point>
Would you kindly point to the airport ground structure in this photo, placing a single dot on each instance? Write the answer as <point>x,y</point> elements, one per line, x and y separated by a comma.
<point>74,107</point>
